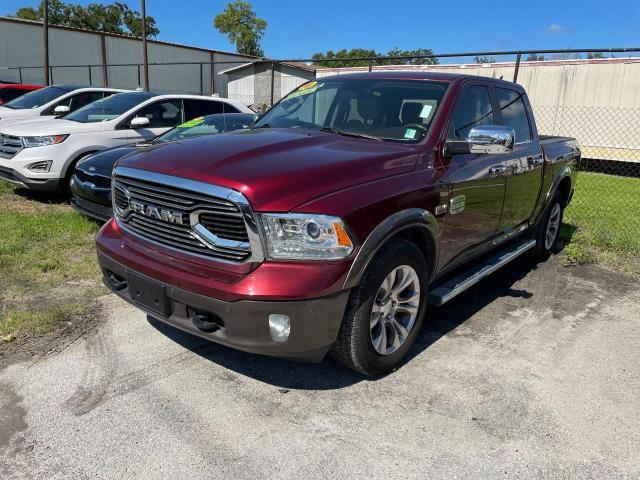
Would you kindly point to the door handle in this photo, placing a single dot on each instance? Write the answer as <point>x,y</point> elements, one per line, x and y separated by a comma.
<point>497,170</point>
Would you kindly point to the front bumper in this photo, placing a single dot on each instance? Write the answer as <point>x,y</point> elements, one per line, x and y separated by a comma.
<point>44,185</point>
<point>244,324</point>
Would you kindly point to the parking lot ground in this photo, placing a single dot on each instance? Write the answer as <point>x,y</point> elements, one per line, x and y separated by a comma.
<point>534,373</point>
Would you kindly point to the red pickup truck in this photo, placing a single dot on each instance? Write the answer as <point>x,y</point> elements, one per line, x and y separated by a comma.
<point>350,206</point>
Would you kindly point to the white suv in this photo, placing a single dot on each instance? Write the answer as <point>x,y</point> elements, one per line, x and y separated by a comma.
<point>50,102</point>
<point>41,155</point>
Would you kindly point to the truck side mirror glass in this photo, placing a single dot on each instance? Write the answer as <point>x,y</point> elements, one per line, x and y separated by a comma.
<point>483,139</point>
<point>61,110</point>
<point>140,122</point>
<point>491,139</point>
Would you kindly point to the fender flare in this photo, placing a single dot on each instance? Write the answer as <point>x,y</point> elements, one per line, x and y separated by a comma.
<point>384,231</point>
<point>73,161</point>
<point>564,172</point>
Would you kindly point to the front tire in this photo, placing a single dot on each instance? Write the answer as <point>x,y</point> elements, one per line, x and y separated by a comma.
<point>385,311</point>
<point>548,231</point>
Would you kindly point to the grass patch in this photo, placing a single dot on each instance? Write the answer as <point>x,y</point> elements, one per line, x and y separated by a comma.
<point>49,274</point>
<point>602,221</point>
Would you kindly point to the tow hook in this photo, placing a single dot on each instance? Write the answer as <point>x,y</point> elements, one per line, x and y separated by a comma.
<point>116,283</point>
<point>204,322</point>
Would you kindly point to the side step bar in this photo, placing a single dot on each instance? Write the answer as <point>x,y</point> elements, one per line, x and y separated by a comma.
<point>454,287</point>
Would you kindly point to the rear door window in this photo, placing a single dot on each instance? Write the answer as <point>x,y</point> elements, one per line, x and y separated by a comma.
<point>514,113</point>
<point>473,109</point>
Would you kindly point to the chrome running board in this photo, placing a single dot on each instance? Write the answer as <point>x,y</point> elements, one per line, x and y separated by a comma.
<point>454,287</point>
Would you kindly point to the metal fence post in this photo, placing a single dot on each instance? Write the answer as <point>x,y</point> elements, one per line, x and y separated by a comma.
<point>201,81</point>
<point>515,73</point>
<point>90,79</point>
<point>20,73</point>
<point>370,64</point>
<point>139,76</point>
<point>50,75</point>
<point>273,80</point>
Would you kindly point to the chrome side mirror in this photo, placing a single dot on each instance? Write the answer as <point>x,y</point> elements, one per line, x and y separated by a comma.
<point>491,139</point>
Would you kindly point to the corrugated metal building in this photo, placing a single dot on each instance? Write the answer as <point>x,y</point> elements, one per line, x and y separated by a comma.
<point>71,50</point>
<point>251,83</point>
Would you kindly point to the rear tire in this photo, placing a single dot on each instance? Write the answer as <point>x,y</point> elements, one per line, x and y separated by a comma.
<point>548,231</point>
<point>385,311</point>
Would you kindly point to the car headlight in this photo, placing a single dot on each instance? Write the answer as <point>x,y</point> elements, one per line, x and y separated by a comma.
<point>300,236</point>
<point>30,142</point>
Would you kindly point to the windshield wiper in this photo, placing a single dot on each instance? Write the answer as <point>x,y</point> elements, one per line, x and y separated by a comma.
<point>349,134</point>
<point>264,125</point>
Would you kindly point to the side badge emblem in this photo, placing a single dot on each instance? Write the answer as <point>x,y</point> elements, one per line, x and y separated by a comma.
<point>457,204</point>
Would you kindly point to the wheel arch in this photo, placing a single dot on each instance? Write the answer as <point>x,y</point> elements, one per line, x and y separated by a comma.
<point>68,168</point>
<point>416,225</point>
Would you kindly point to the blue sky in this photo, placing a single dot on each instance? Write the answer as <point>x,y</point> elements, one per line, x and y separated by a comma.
<point>299,29</point>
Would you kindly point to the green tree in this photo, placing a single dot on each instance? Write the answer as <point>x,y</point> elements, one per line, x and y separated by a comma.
<point>484,60</point>
<point>242,26</point>
<point>396,52</point>
<point>592,55</point>
<point>338,59</point>
<point>109,18</point>
<point>534,58</point>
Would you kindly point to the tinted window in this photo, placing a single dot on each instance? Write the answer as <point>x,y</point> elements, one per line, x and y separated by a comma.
<point>75,102</point>
<point>473,109</point>
<point>201,108</point>
<point>8,94</point>
<point>514,113</point>
<point>162,114</point>
<point>391,110</point>
<point>107,108</point>
<point>36,99</point>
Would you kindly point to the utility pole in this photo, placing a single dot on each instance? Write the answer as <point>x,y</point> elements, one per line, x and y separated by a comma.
<point>144,47</point>
<point>45,24</point>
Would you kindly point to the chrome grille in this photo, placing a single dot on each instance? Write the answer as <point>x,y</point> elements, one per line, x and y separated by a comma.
<point>9,145</point>
<point>192,219</point>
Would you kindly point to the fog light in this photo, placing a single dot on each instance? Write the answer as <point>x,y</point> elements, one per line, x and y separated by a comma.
<point>40,167</point>
<point>279,327</point>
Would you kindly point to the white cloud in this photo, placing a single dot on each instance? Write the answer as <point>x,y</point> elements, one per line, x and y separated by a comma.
<point>555,28</point>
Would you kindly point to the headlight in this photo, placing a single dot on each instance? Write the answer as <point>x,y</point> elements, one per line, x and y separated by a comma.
<point>30,142</point>
<point>300,236</point>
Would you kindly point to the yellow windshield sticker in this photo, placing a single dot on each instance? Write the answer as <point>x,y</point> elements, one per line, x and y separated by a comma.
<point>305,89</point>
<point>192,123</point>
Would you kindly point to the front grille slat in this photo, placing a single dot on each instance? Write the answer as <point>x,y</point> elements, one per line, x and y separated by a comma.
<point>220,216</point>
<point>10,146</point>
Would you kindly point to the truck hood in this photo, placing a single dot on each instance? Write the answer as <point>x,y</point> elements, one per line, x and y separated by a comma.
<point>278,169</point>
<point>52,126</point>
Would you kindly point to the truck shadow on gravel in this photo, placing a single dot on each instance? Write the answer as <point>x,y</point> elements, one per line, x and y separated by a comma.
<point>329,374</point>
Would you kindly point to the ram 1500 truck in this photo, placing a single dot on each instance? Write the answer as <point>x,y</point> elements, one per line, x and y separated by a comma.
<point>352,204</point>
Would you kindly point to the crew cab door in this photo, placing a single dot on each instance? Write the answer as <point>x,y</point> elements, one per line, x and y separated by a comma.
<point>477,183</point>
<point>523,169</point>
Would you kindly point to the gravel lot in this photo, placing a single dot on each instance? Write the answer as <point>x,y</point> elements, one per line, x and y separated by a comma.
<point>532,374</point>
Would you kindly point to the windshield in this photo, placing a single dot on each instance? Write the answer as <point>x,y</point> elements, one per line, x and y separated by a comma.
<point>36,98</point>
<point>209,125</point>
<point>390,110</point>
<point>107,108</point>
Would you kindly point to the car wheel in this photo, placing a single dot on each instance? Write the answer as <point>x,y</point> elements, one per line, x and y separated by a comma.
<point>548,231</point>
<point>385,311</point>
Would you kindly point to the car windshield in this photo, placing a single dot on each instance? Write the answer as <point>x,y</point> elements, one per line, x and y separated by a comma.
<point>107,108</point>
<point>36,98</point>
<point>209,125</point>
<point>390,110</point>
